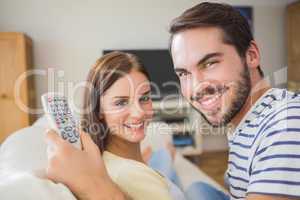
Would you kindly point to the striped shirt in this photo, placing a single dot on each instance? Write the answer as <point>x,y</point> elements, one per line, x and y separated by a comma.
<point>264,150</point>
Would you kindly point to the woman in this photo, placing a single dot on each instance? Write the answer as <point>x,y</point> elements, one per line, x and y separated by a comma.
<point>117,109</point>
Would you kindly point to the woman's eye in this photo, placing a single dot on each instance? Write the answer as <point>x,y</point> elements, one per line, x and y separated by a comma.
<point>145,98</point>
<point>121,102</point>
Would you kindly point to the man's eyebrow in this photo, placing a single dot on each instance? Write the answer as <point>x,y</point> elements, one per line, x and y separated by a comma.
<point>200,62</point>
<point>208,56</point>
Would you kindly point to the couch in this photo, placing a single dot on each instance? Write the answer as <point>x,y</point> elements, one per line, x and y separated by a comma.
<point>23,158</point>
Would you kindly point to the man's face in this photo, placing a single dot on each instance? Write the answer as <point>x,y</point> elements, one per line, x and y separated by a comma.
<point>213,77</point>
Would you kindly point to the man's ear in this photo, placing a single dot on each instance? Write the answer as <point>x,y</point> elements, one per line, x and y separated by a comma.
<point>253,55</point>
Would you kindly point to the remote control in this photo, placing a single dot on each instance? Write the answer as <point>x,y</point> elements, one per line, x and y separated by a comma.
<point>60,117</point>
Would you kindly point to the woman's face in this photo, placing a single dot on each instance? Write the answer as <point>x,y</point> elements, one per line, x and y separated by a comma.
<point>127,107</point>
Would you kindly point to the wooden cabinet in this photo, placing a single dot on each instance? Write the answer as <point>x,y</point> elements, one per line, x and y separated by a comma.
<point>15,61</point>
<point>293,37</point>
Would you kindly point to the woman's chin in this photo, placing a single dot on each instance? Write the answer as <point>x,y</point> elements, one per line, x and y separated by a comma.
<point>137,136</point>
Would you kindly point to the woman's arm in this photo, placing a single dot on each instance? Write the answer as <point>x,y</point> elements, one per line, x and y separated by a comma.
<point>82,171</point>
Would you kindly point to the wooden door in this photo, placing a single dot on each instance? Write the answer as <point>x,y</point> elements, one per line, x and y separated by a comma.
<point>14,60</point>
<point>293,37</point>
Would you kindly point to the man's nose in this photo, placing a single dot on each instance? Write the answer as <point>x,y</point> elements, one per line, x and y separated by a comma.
<point>197,80</point>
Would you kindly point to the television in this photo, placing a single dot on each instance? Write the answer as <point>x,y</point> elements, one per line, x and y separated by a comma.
<point>159,65</point>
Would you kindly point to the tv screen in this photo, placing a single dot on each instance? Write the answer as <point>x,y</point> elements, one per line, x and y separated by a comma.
<point>159,65</point>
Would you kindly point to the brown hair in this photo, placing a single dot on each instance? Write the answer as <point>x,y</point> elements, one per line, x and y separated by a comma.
<point>235,27</point>
<point>104,73</point>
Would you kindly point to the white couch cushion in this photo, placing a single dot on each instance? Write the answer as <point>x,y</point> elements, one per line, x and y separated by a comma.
<point>23,155</point>
<point>26,186</point>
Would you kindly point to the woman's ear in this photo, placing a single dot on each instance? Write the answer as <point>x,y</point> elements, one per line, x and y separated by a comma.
<point>253,55</point>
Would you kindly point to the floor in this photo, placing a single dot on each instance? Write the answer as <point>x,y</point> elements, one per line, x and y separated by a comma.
<point>212,163</point>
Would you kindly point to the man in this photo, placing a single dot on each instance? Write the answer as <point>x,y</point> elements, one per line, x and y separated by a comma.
<point>218,64</point>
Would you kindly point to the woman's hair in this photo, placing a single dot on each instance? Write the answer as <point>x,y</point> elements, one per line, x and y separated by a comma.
<point>104,73</point>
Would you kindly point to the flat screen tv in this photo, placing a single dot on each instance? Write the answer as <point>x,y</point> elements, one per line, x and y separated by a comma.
<point>159,65</point>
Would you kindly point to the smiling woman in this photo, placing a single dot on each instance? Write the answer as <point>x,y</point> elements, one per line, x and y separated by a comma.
<point>116,98</point>
<point>117,109</point>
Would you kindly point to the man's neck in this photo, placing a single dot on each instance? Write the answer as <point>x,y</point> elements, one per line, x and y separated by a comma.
<point>256,92</point>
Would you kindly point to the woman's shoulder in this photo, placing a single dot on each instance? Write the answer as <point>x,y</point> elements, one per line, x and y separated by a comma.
<point>136,178</point>
<point>113,163</point>
<point>123,166</point>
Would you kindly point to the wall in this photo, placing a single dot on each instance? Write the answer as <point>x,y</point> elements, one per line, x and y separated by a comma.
<point>70,35</point>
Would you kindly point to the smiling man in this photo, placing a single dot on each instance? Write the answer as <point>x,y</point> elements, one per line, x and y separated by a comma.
<point>218,64</point>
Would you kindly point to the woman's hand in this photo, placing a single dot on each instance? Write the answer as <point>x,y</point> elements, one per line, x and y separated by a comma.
<point>82,171</point>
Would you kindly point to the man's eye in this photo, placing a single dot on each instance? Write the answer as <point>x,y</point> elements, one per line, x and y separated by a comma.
<point>182,74</point>
<point>209,64</point>
<point>121,102</point>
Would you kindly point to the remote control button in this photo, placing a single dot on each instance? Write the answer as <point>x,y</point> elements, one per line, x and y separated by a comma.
<point>64,135</point>
<point>70,134</point>
<point>72,140</point>
<point>75,133</point>
<point>68,128</point>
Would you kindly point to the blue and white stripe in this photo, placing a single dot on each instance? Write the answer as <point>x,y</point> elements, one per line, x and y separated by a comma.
<point>264,155</point>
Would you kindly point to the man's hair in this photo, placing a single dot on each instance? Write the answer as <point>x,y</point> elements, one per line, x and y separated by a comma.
<point>236,29</point>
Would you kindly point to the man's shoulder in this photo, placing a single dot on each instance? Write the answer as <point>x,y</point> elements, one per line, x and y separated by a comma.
<point>283,97</point>
<point>276,113</point>
<point>281,121</point>
<point>278,103</point>
<point>274,165</point>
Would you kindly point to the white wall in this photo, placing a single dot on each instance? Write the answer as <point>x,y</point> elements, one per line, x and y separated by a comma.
<point>70,35</point>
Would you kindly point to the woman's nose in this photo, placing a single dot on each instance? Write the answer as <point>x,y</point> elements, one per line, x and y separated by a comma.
<point>136,110</point>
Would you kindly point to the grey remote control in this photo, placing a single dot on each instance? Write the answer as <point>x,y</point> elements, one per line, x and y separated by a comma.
<point>60,117</point>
